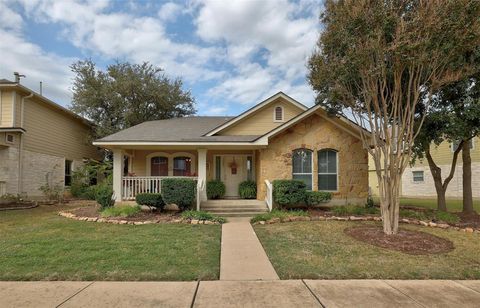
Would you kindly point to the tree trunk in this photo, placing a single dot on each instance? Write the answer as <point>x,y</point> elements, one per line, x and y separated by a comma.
<point>467,178</point>
<point>390,203</point>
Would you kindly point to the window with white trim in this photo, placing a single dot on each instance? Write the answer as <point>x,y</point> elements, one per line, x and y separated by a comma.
<point>182,166</point>
<point>68,172</point>
<point>418,176</point>
<point>10,138</point>
<point>302,166</point>
<point>159,166</point>
<point>327,170</point>
<point>278,114</point>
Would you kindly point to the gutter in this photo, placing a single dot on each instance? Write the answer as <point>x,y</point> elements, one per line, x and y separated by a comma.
<point>20,147</point>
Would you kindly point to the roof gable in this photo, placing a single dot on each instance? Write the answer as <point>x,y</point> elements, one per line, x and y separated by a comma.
<point>255,109</point>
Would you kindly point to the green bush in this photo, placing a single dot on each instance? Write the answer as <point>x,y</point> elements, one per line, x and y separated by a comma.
<point>90,193</point>
<point>181,192</point>
<point>370,202</point>
<point>150,199</point>
<point>346,210</point>
<point>121,211</point>
<point>215,189</point>
<point>281,214</point>
<point>288,193</point>
<point>247,190</point>
<point>316,197</point>
<point>202,215</point>
<point>104,196</point>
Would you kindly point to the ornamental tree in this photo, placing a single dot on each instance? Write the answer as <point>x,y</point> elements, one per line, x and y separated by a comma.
<point>378,63</point>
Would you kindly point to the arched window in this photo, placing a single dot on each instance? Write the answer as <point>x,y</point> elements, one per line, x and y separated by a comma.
<point>328,170</point>
<point>302,166</point>
<point>278,114</point>
<point>159,166</point>
<point>182,166</point>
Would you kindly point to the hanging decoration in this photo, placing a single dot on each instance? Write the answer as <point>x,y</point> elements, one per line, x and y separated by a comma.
<point>233,166</point>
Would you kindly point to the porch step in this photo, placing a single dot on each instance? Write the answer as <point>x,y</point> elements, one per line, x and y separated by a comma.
<point>234,208</point>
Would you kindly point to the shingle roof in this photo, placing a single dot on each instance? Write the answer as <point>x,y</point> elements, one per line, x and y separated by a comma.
<point>5,81</point>
<point>187,129</point>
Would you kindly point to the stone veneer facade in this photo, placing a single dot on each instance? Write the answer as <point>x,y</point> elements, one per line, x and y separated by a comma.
<point>316,133</point>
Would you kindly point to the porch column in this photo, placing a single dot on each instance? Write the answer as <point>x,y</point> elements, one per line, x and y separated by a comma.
<point>117,174</point>
<point>202,171</point>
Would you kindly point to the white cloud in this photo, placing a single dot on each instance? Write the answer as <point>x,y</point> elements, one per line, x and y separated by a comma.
<point>169,11</point>
<point>248,27</point>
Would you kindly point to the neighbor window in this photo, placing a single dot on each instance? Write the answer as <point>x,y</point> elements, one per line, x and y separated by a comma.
<point>327,170</point>
<point>159,166</point>
<point>278,116</point>
<point>417,176</point>
<point>181,166</point>
<point>456,143</point>
<point>68,172</point>
<point>302,166</point>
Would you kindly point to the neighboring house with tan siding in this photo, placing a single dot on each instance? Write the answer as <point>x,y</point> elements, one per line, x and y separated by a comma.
<point>417,180</point>
<point>279,138</point>
<point>40,141</point>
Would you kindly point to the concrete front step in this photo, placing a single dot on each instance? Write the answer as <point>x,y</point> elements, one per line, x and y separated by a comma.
<point>234,207</point>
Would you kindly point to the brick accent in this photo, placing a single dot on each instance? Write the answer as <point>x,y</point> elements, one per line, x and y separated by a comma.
<point>316,133</point>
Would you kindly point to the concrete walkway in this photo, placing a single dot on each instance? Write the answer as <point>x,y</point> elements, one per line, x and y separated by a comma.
<point>278,293</point>
<point>242,256</point>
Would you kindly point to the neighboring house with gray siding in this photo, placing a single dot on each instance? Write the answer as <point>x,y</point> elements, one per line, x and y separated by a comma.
<point>40,141</point>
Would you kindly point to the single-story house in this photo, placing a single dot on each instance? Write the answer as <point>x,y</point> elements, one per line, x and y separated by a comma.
<point>279,138</point>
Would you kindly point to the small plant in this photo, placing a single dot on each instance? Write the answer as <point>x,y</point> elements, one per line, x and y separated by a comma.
<point>447,217</point>
<point>52,192</point>
<point>281,214</point>
<point>289,192</point>
<point>317,197</point>
<point>104,196</point>
<point>90,192</point>
<point>215,189</point>
<point>181,192</point>
<point>12,198</point>
<point>247,190</point>
<point>121,211</point>
<point>370,203</point>
<point>151,200</point>
<point>202,215</point>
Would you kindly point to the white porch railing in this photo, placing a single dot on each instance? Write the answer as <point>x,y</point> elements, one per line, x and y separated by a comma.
<point>133,185</point>
<point>269,196</point>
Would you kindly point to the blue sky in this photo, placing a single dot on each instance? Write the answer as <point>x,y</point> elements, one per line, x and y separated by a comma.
<point>230,54</point>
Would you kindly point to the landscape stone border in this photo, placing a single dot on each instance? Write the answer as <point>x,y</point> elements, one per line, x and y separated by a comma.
<point>430,224</point>
<point>145,222</point>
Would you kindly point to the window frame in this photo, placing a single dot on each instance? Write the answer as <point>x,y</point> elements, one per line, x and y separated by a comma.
<point>70,173</point>
<point>275,114</point>
<point>7,135</point>
<point>152,163</point>
<point>189,172</point>
<point>413,176</point>
<point>337,165</point>
<point>472,145</point>
<point>311,166</point>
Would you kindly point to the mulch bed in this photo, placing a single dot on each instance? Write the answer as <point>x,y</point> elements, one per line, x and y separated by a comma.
<point>406,241</point>
<point>469,220</point>
<point>93,212</point>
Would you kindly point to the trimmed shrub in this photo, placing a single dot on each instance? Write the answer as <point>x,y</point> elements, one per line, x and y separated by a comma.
<point>151,200</point>
<point>181,192</point>
<point>202,215</point>
<point>316,197</point>
<point>121,211</point>
<point>215,189</point>
<point>104,196</point>
<point>247,190</point>
<point>90,192</point>
<point>289,192</point>
<point>370,202</point>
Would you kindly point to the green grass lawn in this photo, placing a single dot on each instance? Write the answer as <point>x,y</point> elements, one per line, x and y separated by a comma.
<point>321,250</point>
<point>453,205</point>
<point>38,244</point>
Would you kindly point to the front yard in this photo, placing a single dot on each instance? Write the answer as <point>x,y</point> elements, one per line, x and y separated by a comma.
<point>321,250</point>
<point>453,205</point>
<point>37,244</point>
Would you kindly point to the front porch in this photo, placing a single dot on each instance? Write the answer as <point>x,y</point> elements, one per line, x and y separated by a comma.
<point>143,170</point>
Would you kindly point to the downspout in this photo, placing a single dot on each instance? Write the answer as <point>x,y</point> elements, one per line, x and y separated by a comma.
<point>20,146</point>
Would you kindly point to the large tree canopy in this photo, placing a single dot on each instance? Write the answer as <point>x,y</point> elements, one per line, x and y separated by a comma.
<point>378,58</point>
<point>127,94</point>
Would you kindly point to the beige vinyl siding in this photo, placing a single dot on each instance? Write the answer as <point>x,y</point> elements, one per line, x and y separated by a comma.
<point>18,110</point>
<point>50,131</point>
<point>6,102</point>
<point>442,154</point>
<point>262,121</point>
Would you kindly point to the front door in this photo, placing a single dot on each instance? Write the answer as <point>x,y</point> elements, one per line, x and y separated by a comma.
<point>234,171</point>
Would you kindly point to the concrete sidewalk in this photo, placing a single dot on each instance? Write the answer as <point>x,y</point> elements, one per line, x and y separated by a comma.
<point>242,256</point>
<point>277,293</point>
